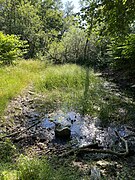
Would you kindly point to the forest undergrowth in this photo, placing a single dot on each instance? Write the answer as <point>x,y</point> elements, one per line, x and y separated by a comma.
<point>67,87</point>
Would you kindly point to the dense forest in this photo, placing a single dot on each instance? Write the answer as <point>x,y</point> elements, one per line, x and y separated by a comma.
<point>102,34</point>
<point>67,90</point>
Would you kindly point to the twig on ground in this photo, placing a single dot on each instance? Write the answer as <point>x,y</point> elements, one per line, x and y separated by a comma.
<point>87,149</point>
<point>12,135</point>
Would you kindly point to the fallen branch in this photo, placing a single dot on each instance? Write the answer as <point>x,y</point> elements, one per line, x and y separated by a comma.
<point>12,135</point>
<point>103,151</point>
<point>125,142</point>
<point>87,149</point>
<point>131,128</point>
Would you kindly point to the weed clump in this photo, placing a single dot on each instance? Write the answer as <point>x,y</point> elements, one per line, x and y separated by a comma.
<point>7,151</point>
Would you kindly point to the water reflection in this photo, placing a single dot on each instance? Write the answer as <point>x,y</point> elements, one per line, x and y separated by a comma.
<point>84,129</point>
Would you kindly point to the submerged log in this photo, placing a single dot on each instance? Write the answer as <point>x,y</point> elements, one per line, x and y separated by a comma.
<point>90,149</point>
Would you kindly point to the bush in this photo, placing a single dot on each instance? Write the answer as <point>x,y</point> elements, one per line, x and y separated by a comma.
<point>123,53</point>
<point>11,47</point>
<point>70,48</point>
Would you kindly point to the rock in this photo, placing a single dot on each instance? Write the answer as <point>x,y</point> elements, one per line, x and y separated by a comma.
<point>104,164</point>
<point>63,133</point>
<point>107,167</point>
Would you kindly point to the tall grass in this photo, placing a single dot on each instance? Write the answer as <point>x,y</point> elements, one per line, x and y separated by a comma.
<point>76,87</point>
<point>81,89</point>
<point>13,79</point>
<point>64,77</point>
<point>65,86</point>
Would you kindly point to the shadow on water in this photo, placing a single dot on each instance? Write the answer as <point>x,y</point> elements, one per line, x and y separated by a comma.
<point>104,100</point>
<point>86,92</point>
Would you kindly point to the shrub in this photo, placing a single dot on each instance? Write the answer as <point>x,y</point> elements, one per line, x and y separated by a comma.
<point>70,48</point>
<point>123,53</point>
<point>11,47</point>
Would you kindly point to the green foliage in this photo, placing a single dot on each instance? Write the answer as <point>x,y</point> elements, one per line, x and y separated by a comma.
<point>11,47</point>
<point>76,47</point>
<point>36,169</point>
<point>55,52</point>
<point>7,150</point>
<point>74,43</point>
<point>33,169</point>
<point>70,48</point>
<point>38,22</point>
<point>29,26</point>
<point>117,15</point>
<point>111,23</point>
<point>128,50</point>
<point>124,52</point>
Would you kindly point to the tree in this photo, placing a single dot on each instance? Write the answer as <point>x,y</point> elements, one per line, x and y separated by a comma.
<point>39,22</point>
<point>68,9</point>
<point>30,26</point>
<point>69,17</point>
<point>8,15</point>
<point>111,21</point>
<point>51,15</point>
<point>70,48</point>
<point>116,14</point>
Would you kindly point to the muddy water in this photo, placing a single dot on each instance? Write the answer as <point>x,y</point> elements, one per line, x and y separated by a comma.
<point>84,130</point>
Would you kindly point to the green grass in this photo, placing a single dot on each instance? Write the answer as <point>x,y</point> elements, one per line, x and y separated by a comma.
<point>67,87</point>
<point>79,88</point>
<point>26,168</point>
<point>16,166</point>
<point>13,79</point>
<point>72,86</point>
<point>63,87</point>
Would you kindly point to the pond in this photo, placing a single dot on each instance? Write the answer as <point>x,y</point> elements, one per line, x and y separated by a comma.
<point>61,126</point>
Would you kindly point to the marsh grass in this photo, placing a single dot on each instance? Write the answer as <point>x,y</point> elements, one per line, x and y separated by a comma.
<point>66,77</point>
<point>71,87</point>
<point>68,87</point>
<point>69,84</point>
<point>13,79</point>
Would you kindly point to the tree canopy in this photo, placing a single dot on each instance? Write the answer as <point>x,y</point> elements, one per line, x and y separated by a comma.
<point>107,37</point>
